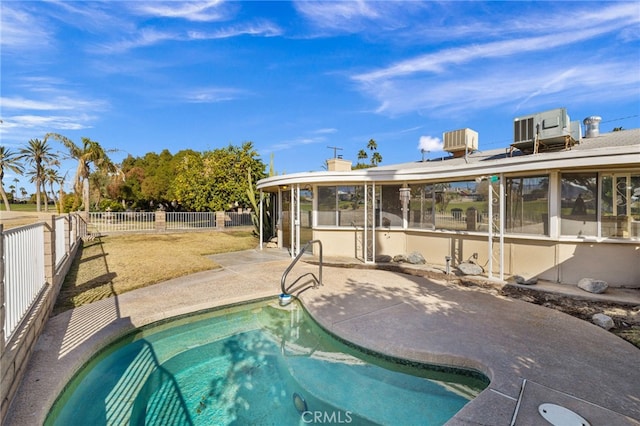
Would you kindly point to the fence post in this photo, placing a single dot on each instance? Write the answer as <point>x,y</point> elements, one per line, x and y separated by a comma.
<point>220,220</point>
<point>2,304</point>
<point>50,250</point>
<point>161,220</point>
<point>67,234</point>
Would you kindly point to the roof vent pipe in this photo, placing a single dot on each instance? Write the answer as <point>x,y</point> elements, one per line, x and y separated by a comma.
<point>592,126</point>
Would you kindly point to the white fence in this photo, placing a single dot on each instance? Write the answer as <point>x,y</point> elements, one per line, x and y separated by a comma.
<point>61,241</point>
<point>34,260</point>
<point>106,222</point>
<point>24,274</point>
<point>33,255</point>
<point>122,221</point>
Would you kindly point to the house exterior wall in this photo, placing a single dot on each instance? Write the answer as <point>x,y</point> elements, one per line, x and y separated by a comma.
<point>339,242</point>
<point>614,263</point>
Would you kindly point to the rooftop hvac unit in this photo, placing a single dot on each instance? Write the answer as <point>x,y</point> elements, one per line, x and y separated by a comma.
<point>543,131</point>
<point>460,141</point>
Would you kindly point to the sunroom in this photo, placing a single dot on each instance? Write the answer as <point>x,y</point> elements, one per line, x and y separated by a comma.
<point>557,215</point>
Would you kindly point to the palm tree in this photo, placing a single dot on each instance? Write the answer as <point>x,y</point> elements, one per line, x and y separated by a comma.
<point>52,177</point>
<point>91,152</point>
<point>10,161</point>
<point>376,158</point>
<point>37,154</point>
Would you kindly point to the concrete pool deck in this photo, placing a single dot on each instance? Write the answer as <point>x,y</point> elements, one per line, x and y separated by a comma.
<point>531,354</point>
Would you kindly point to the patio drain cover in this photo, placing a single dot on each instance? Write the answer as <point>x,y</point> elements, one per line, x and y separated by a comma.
<point>560,416</point>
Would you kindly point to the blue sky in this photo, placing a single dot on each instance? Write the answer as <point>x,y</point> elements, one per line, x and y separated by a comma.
<point>297,77</point>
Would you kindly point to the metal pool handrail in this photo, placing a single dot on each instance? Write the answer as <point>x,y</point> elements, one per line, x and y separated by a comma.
<point>317,279</point>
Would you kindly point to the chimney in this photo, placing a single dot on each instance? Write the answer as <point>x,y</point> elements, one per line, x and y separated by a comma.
<point>338,165</point>
<point>592,126</point>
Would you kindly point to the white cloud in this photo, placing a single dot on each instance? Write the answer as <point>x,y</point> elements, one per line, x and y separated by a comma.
<point>56,103</point>
<point>295,143</point>
<point>265,29</point>
<point>211,95</point>
<point>334,14</point>
<point>143,38</point>
<point>44,122</point>
<point>358,16</point>
<point>325,131</point>
<point>197,11</point>
<point>20,31</point>
<point>44,104</point>
<point>437,62</point>
<point>430,144</point>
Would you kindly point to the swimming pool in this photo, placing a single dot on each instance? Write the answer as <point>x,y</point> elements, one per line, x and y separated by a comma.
<point>256,363</point>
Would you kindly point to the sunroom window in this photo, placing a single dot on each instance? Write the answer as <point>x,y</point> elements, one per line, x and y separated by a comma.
<point>527,205</point>
<point>451,206</point>
<point>579,204</point>
<point>341,206</point>
<point>620,205</point>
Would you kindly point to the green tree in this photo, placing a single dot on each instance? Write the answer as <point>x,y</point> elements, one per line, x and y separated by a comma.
<point>52,177</point>
<point>88,154</point>
<point>375,157</point>
<point>38,155</point>
<point>8,160</point>
<point>216,180</point>
<point>265,200</point>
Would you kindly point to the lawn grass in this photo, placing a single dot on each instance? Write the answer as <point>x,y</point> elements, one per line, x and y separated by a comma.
<point>23,207</point>
<point>114,264</point>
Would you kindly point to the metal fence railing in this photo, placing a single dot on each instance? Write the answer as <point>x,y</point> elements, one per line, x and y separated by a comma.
<point>105,222</point>
<point>122,221</point>
<point>232,219</point>
<point>24,274</point>
<point>190,220</point>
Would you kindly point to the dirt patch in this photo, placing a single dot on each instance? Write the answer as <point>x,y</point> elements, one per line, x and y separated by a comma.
<point>625,317</point>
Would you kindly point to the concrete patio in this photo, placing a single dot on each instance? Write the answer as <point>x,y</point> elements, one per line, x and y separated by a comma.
<point>531,354</point>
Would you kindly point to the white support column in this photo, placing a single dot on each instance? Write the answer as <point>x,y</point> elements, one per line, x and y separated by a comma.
<point>260,221</point>
<point>278,220</point>
<point>373,222</point>
<point>365,242</point>
<point>297,218</point>
<point>554,204</point>
<point>292,221</point>
<point>405,197</point>
<point>502,212</point>
<point>490,230</point>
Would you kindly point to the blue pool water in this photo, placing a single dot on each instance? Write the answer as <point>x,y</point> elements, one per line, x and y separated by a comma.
<point>257,364</point>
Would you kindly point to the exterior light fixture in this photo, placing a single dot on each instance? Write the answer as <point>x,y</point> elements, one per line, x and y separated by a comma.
<point>405,194</point>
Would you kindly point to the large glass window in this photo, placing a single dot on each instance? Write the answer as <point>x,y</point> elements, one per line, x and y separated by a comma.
<point>620,205</point>
<point>449,206</point>
<point>527,205</point>
<point>390,212</point>
<point>578,204</point>
<point>341,205</point>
